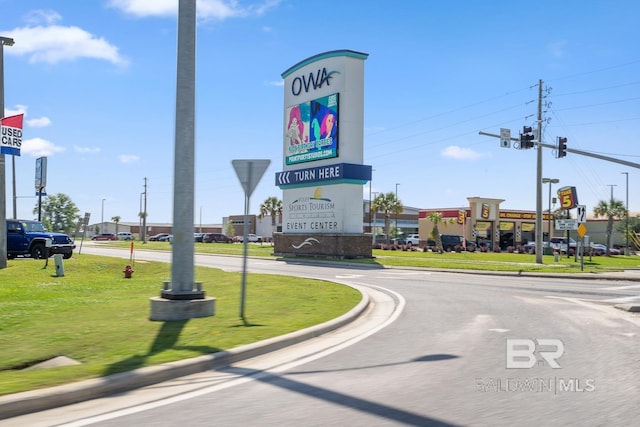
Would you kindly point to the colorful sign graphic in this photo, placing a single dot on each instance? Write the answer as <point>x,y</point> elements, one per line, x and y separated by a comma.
<point>11,135</point>
<point>311,131</point>
<point>568,197</point>
<point>485,211</point>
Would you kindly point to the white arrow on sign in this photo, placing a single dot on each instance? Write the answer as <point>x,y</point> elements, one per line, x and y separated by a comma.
<point>283,178</point>
<point>582,213</point>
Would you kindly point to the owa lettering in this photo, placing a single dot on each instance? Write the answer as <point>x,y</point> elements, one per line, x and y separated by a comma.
<point>312,81</point>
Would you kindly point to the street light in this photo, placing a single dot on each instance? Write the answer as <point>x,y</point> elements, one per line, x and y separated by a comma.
<point>4,41</point>
<point>140,218</point>
<point>626,231</point>
<point>550,181</point>
<point>373,224</point>
<point>396,210</point>
<point>102,218</point>
<point>610,242</point>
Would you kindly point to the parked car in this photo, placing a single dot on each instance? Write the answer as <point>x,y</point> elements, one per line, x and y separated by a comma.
<point>199,237</point>
<point>124,236</point>
<point>399,241</point>
<point>560,243</point>
<point>600,249</point>
<point>157,237</point>
<point>250,238</point>
<point>470,246</point>
<point>530,247</point>
<point>104,236</point>
<point>413,239</point>
<point>166,238</point>
<point>450,241</point>
<point>217,238</point>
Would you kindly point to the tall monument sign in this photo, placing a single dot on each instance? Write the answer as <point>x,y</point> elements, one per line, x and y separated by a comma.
<point>323,174</point>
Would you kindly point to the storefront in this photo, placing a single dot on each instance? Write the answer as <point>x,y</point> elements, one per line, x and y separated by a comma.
<point>484,223</point>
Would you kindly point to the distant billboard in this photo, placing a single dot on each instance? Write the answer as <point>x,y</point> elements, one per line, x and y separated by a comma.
<point>311,131</point>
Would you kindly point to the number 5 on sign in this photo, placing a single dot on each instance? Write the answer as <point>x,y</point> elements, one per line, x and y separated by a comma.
<point>582,214</point>
<point>568,197</point>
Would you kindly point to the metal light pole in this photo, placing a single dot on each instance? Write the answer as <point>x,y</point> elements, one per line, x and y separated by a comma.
<point>140,219</point>
<point>610,242</point>
<point>102,218</point>
<point>373,224</point>
<point>612,185</point>
<point>550,181</point>
<point>626,229</point>
<point>396,211</point>
<point>4,41</point>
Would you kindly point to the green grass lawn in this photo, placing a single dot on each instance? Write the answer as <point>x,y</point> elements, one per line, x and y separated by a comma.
<point>505,261</point>
<point>97,317</point>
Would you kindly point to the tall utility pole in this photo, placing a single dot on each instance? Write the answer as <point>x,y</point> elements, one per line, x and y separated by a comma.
<point>4,41</point>
<point>144,213</point>
<point>612,185</point>
<point>626,228</point>
<point>539,181</point>
<point>396,226</point>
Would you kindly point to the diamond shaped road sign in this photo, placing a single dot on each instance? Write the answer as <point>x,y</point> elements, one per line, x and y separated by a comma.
<point>582,230</point>
<point>250,172</point>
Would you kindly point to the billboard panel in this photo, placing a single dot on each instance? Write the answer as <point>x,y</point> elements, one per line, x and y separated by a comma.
<point>312,130</point>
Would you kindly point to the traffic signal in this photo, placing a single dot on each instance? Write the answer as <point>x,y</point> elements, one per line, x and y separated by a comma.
<point>526,137</point>
<point>562,147</point>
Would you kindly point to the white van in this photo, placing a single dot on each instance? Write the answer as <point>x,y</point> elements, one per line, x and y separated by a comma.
<point>125,236</point>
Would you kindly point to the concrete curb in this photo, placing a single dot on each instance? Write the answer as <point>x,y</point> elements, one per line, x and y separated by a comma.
<point>39,400</point>
<point>628,307</point>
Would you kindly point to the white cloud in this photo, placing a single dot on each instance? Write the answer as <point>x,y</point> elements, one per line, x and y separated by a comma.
<point>20,109</point>
<point>55,43</point>
<point>128,158</point>
<point>86,149</point>
<point>459,153</point>
<point>557,48</point>
<point>207,9</point>
<point>39,122</point>
<point>38,147</point>
<point>276,83</point>
<point>42,16</point>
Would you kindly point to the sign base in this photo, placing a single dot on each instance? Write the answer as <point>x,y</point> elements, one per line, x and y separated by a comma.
<point>341,246</point>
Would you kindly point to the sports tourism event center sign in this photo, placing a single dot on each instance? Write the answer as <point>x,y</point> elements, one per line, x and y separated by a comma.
<point>323,174</point>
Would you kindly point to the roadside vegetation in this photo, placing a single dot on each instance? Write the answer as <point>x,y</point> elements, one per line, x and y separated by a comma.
<point>94,316</point>
<point>496,261</point>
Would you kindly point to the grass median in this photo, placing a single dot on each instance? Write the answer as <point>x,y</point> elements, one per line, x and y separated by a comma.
<point>493,261</point>
<point>94,316</point>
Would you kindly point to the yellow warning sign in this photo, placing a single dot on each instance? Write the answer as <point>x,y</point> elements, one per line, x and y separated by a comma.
<point>582,230</point>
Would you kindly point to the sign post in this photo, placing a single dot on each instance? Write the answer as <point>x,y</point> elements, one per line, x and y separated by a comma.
<point>249,173</point>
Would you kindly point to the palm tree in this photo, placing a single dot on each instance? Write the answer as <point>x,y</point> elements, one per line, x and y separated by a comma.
<point>437,218</point>
<point>271,206</point>
<point>116,219</point>
<point>390,205</point>
<point>614,209</point>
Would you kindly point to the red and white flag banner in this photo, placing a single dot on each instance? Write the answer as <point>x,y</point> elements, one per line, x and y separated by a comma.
<point>11,135</point>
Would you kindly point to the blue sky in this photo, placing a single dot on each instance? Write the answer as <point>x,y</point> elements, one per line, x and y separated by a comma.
<point>96,80</point>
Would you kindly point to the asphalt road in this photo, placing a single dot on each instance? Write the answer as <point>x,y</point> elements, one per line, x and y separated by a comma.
<point>431,351</point>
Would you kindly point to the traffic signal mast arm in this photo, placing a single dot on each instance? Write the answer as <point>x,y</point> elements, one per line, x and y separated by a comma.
<point>574,151</point>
